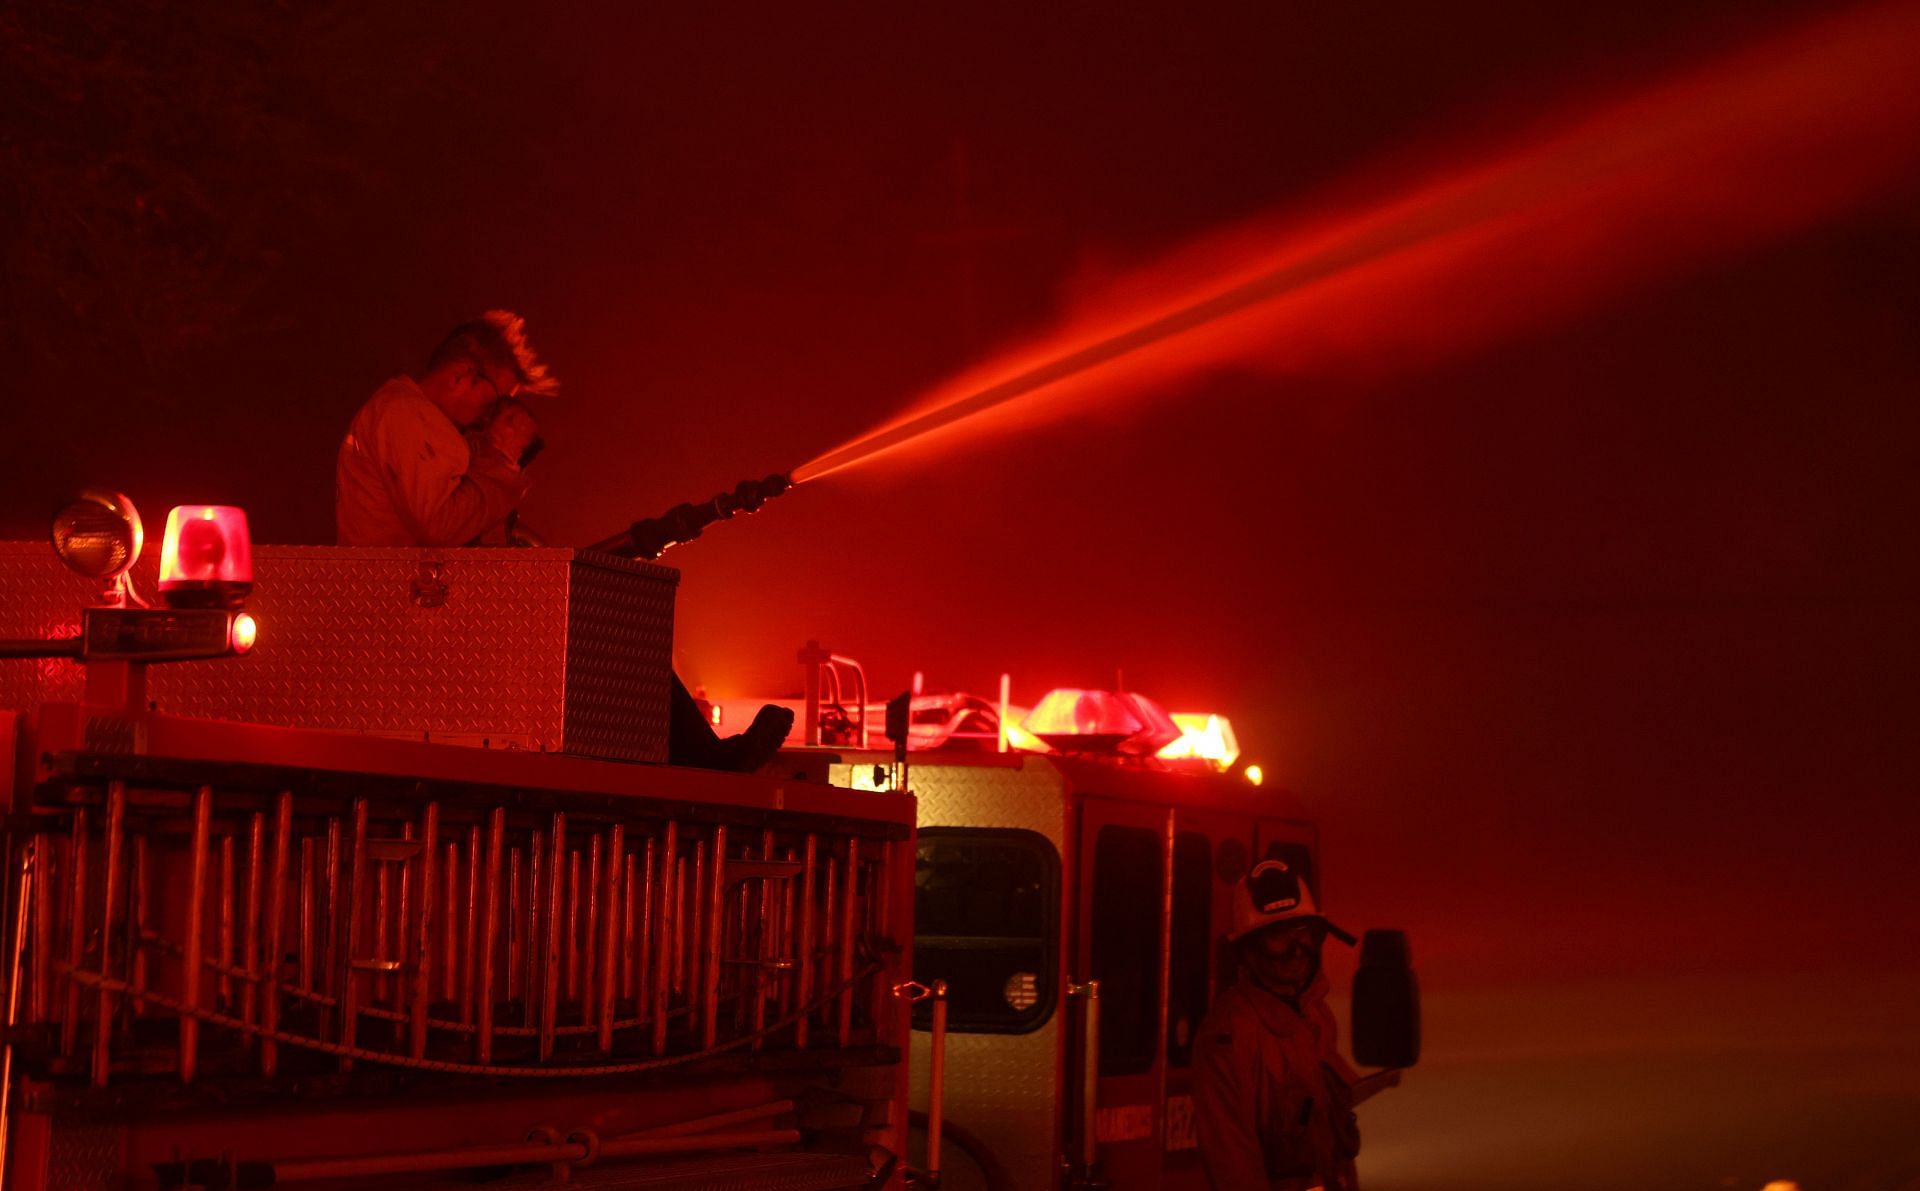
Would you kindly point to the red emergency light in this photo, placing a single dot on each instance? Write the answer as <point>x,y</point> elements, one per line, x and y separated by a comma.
<point>206,559</point>
<point>1076,721</point>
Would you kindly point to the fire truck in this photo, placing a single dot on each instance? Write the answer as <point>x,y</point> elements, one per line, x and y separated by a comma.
<point>1075,867</point>
<point>339,866</point>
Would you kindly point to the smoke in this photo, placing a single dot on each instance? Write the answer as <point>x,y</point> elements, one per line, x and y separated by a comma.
<point>1699,168</point>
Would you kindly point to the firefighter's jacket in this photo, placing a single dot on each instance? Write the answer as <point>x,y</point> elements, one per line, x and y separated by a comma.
<point>406,476</point>
<point>1273,1101</point>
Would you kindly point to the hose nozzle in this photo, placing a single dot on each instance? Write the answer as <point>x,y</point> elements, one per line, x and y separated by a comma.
<point>651,537</point>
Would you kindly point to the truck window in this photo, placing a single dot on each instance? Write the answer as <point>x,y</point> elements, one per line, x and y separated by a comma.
<point>1127,875</point>
<point>986,920</point>
<point>1190,936</point>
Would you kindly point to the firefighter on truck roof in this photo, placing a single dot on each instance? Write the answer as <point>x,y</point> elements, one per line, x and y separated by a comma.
<point>441,461</point>
<point>407,473</point>
<point>1273,1099</point>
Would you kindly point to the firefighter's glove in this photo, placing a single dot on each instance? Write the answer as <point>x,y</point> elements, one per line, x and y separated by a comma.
<point>512,431</point>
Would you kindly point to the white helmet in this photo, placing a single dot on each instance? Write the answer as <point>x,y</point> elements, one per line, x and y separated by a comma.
<point>1274,893</point>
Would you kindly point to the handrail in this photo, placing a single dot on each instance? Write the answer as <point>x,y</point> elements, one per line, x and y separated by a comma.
<point>1089,1075</point>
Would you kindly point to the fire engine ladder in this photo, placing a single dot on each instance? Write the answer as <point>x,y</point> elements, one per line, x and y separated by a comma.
<point>440,935</point>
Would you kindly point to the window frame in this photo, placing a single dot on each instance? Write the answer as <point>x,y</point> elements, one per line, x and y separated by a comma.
<point>1045,1007</point>
<point>1190,954</point>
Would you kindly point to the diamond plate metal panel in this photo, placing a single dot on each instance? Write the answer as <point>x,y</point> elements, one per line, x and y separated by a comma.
<point>1030,794</point>
<point>543,649</point>
<point>619,651</point>
<point>39,598</point>
<point>86,1157</point>
<point>1002,1087</point>
<point>345,644</point>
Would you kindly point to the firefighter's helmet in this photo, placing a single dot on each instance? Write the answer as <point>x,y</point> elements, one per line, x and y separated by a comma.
<point>1272,893</point>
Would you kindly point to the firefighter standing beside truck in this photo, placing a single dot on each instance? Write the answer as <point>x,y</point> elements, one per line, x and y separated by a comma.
<point>1273,1099</point>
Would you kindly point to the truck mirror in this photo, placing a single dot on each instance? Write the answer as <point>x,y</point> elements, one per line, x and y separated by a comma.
<point>1386,1002</point>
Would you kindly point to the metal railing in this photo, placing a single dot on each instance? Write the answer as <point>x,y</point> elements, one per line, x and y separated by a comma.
<point>448,934</point>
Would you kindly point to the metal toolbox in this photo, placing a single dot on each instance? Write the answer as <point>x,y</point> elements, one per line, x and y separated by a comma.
<point>555,650</point>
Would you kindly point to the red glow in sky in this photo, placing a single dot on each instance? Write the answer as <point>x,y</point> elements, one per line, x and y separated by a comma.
<point>1547,527</point>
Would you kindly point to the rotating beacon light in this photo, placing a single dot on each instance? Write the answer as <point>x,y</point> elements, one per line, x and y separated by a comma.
<point>1083,721</point>
<point>206,559</point>
<point>205,573</point>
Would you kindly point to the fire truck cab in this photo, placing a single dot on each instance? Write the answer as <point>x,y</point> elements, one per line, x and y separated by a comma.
<point>1071,899</point>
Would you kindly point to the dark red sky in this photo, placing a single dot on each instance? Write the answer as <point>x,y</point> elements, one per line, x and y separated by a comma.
<point>1594,644</point>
